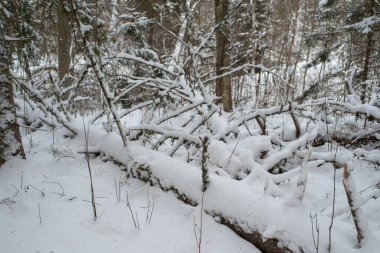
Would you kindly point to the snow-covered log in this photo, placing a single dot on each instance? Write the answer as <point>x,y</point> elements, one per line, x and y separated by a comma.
<point>233,203</point>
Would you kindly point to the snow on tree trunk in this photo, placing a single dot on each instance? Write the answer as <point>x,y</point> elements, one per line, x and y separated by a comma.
<point>10,138</point>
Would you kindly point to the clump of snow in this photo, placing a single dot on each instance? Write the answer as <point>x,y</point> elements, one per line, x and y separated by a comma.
<point>85,28</point>
<point>323,3</point>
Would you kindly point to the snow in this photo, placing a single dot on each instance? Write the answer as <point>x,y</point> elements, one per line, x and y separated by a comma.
<point>365,26</point>
<point>277,206</point>
<point>67,224</point>
<point>244,189</point>
<point>323,3</point>
<point>246,202</point>
<point>85,28</point>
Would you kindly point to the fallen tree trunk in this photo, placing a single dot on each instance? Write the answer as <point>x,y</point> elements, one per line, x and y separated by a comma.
<point>266,245</point>
<point>243,207</point>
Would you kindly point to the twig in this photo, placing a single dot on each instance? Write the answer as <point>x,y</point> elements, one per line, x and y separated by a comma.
<point>369,187</point>
<point>62,193</point>
<point>14,195</point>
<point>316,227</point>
<point>116,192</point>
<point>22,179</point>
<point>86,137</point>
<point>135,220</point>
<point>233,151</point>
<point>118,189</point>
<point>39,213</point>
<point>148,206</point>
<point>151,211</point>
<point>333,212</point>
<point>28,187</point>
<point>195,227</point>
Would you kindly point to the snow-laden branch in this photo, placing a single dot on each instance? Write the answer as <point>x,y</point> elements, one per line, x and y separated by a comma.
<point>130,57</point>
<point>169,133</point>
<point>289,150</point>
<point>176,113</point>
<point>237,69</point>
<point>366,109</point>
<point>90,55</point>
<point>43,104</point>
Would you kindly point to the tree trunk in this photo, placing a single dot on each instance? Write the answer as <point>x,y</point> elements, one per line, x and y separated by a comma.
<point>63,45</point>
<point>223,84</point>
<point>367,54</point>
<point>10,138</point>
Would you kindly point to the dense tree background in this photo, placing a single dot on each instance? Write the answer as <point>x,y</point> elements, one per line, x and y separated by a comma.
<point>69,58</point>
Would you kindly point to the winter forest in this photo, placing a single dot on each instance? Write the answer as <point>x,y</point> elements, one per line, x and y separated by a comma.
<point>183,126</point>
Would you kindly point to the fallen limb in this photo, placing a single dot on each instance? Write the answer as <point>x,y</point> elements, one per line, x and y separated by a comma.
<point>289,150</point>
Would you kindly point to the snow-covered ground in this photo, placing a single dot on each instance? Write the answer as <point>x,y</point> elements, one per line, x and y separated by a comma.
<point>47,201</point>
<point>66,223</point>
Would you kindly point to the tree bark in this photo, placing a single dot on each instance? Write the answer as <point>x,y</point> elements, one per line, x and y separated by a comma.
<point>64,44</point>
<point>367,54</point>
<point>223,84</point>
<point>10,138</point>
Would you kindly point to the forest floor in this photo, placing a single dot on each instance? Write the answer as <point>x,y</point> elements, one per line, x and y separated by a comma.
<point>61,220</point>
<point>46,203</point>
